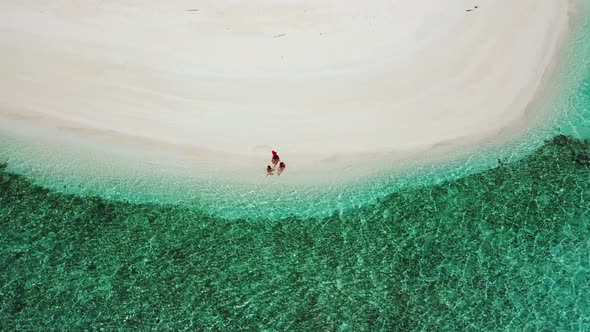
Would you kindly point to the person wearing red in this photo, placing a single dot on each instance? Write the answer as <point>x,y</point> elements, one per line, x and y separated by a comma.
<point>275,158</point>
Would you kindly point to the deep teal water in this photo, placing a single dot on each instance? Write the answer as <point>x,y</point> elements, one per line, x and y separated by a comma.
<point>507,249</point>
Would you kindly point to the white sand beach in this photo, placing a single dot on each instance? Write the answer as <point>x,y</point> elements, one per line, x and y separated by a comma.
<point>328,84</point>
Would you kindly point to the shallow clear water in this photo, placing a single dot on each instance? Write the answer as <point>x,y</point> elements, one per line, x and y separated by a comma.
<point>506,249</point>
<point>495,241</point>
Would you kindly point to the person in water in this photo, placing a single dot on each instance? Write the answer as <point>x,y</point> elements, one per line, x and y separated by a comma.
<point>281,168</point>
<point>275,158</point>
<point>269,170</point>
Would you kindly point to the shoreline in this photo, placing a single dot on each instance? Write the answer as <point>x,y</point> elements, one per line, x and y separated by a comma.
<point>340,166</point>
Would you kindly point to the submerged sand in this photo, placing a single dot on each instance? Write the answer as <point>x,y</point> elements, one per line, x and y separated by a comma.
<point>217,84</point>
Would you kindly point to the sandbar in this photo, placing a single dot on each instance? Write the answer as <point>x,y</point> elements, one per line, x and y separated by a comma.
<point>328,84</point>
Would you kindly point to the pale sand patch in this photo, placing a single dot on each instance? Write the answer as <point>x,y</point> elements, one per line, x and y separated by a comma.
<point>329,84</point>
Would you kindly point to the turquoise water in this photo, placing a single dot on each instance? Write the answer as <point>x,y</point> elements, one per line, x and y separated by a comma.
<point>506,249</point>
<point>495,241</point>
